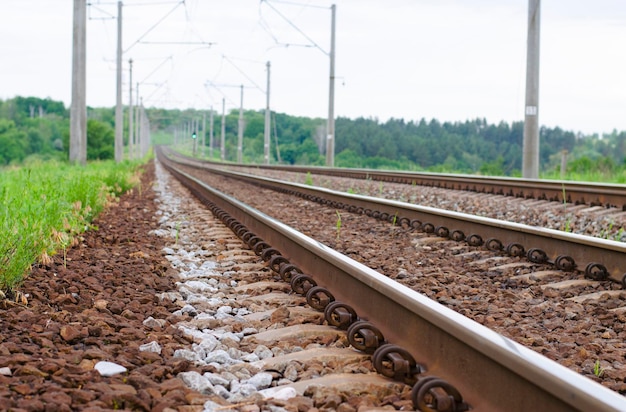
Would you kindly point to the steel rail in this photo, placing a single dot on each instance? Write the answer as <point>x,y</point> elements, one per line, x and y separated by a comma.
<point>589,193</point>
<point>593,194</point>
<point>598,258</point>
<point>492,372</point>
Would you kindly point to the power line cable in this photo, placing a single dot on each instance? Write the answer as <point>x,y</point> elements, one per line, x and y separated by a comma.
<point>114,3</point>
<point>101,10</point>
<point>191,43</point>
<point>293,3</point>
<point>211,84</point>
<point>154,26</point>
<point>156,68</point>
<point>190,22</point>
<point>266,28</point>
<point>243,73</point>
<point>295,27</point>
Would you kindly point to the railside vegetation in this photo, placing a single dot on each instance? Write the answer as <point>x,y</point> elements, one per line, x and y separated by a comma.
<point>44,207</point>
<point>31,127</point>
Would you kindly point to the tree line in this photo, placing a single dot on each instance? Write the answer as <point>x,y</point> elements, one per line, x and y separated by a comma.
<point>31,127</point>
<point>34,127</point>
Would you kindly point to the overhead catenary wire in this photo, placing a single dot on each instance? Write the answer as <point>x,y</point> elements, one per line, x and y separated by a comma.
<point>158,75</point>
<point>293,3</point>
<point>217,87</point>
<point>92,6</point>
<point>243,73</point>
<point>169,58</point>
<point>192,35</point>
<point>292,24</point>
<point>190,25</point>
<point>152,3</point>
<point>267,29</point>
<point>154,26</point>
<point>191,43</point>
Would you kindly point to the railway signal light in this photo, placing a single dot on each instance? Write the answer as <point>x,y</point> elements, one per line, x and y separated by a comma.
<point>194,135</point>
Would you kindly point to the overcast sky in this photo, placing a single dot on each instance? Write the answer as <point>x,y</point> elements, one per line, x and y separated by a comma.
<point>451,60</point>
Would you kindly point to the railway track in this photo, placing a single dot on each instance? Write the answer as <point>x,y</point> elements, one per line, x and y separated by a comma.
<point>599,259</point>
<point>587,193</point>
<point>475,367</point>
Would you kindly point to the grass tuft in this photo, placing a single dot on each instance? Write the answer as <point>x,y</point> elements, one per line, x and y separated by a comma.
<point>44,206</point>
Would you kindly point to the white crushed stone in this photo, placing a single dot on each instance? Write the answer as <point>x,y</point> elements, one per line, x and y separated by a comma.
<point>109,368</point>
<point>205,284</point>
<point>153,347</point>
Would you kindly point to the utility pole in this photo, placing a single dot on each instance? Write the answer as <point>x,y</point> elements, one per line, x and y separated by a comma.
<point>78,111</point>
<point>194,135</point>
<point>266,134</point>
<point>211,134</point>
<point>330,142</point>
<point>240,130</point>
<point>146,129</point>
<point>138,145</point>
<point>203,133</point>
<point>530,160</point>
<point>223,137</point>
<point>131,136</point>
<point>142,128</point>
<point>186,131</point>
<point>119,116</point>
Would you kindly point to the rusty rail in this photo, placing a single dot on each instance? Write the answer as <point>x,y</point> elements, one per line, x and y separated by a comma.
<point>460,356</point>
<point>593,194</point>
<point>599,259</point>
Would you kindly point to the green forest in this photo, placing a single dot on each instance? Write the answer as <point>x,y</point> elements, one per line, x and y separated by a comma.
<point>38,129</point>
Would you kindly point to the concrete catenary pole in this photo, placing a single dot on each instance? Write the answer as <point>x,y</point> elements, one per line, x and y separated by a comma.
<point>530,160</point>
<point>266,133</point>
<point>131,135</point>
<point>141,138</point>
<point>148,139</point>
<point>194,132</point>
<point>203,133</point>
<point>78,110</point>
<point>240,131</point>
<point>223,137</point>
<point>119,116</point>
<point>138,146</point>
<point>187,132</point>
<point>211,134</point>
<point>330,138</point>
<point>145,131</point>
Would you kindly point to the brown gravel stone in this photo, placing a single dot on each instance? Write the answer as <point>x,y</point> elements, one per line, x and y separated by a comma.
<point>495,290</point>
<point>91,308</point>
<point>69,333</point>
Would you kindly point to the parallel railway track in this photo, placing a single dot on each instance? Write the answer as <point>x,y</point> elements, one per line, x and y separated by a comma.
<point>592,194</point>
<point>599,259</point>
<point>491,372</point>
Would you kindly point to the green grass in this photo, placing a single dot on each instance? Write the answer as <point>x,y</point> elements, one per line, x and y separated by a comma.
<point>308,180</point>
<point>591,176</point>
<point>44,206</point>
<point>597,369</point>
<point>338,225</point>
